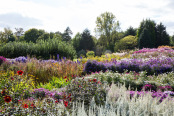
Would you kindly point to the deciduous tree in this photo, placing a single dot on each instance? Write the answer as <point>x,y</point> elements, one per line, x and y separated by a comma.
<point>106,27</point>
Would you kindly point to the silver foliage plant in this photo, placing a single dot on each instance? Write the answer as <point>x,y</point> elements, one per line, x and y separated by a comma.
<point>118,103</point>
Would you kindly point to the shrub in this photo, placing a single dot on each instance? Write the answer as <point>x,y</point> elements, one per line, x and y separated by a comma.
<point>81,53</point>
<point>90,54</point>
<point>84,89</point>
<point>128,42</point>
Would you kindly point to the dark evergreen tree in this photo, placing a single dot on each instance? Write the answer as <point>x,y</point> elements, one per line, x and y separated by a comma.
<point>87,42</point>
<point>162,37</point>
<point>66,36</point>
<point>172,40</point>
<point>145,40</point>
<point>130,31</point>
<point>147,26</point>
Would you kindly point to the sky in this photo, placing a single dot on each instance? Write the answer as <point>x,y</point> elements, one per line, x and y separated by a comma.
<point>57,15</point>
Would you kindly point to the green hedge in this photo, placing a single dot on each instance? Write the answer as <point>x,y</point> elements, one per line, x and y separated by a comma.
<point>43,49</point>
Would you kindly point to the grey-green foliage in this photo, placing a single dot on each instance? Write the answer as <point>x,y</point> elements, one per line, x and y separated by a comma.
<point>41,49</point>
<point>117,103</point>
<point>134,80</point>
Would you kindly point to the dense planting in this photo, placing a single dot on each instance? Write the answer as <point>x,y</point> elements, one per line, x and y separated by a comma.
<point>152,65</point>
<point>153,61</point>
<point>133,84</point>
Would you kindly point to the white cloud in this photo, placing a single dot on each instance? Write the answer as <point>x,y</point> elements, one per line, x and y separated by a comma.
<point>56,15</point>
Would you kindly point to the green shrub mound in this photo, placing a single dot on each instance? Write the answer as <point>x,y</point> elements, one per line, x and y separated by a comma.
<point>90,54</point>
<point>128,42</point>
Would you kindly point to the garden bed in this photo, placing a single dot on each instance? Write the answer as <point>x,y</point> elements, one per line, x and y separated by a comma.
<point>133,86</point>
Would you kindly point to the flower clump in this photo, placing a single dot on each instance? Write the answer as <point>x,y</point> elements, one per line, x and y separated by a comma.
<point>2,59</point>
<point>82,89</point>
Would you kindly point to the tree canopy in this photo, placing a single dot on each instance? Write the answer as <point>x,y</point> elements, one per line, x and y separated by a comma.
<point>106,27</point>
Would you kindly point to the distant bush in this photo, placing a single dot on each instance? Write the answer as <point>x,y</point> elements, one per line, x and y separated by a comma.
<point>81,53</point>
<point>90,54</point>
<point>128,42</point>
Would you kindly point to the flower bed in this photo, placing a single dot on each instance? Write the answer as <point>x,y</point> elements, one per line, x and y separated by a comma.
<point>152,66</point>
<point>155,52</point>
<point>142,86</point>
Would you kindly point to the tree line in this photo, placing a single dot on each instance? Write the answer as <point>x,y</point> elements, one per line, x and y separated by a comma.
<point>108,36</point>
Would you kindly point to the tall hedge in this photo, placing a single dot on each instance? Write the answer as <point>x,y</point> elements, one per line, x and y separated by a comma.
<point>15,49</point>
<point>41,49</point>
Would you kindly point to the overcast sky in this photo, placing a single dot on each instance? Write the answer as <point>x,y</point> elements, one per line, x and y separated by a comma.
<point>56,15</point>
